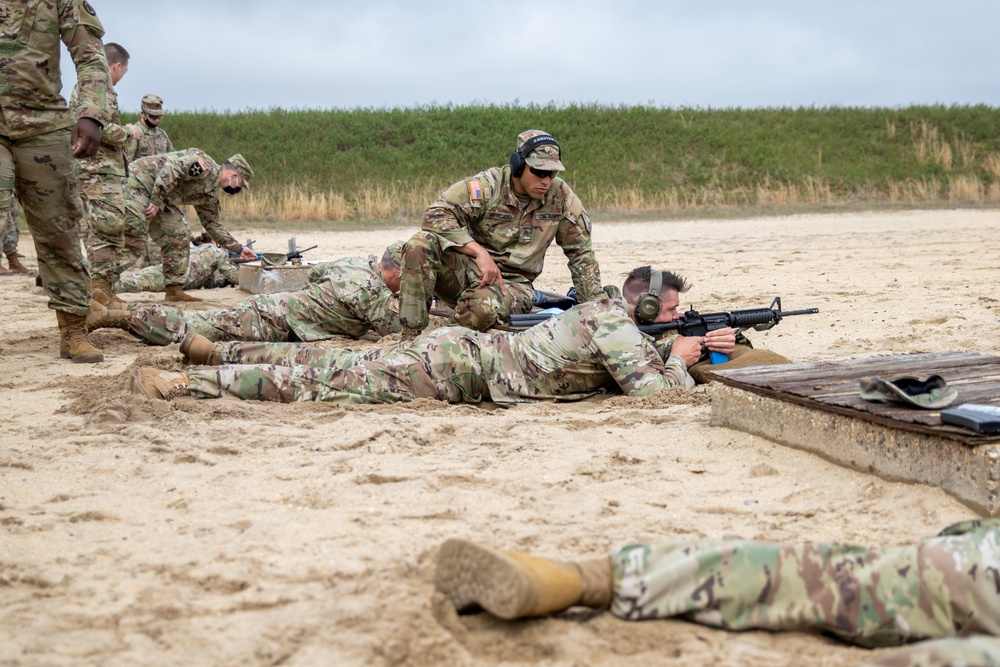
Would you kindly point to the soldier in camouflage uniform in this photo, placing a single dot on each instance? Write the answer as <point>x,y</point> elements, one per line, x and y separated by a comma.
<point>147,137</point>
<point>944,586</point>
<point>209,267</point>
<point>347,297</point>
<point>157,186</point>
<point>483,241</point>
<point>37,146</point>
<point>588,349</point>
<point>11,235</point>
<point>101,183</point>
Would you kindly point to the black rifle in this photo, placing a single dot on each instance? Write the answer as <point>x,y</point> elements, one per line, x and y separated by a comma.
<point>693,323</point>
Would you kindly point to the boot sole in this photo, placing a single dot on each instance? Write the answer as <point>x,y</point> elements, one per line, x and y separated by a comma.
<point>88,358</point>
<point>473,575</point>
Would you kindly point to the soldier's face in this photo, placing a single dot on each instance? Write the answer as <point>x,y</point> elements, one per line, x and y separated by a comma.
<point>669,300</point>
<point>117,72</point>
<point>530,184</point>
<point>154,121</point>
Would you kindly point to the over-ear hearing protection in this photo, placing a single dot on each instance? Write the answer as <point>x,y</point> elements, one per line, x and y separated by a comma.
<point>517,158</point>
<point>647,308</point>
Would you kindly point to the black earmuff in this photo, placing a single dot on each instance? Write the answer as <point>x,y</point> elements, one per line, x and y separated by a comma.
<point>518,157</point>
<point>647,308</point>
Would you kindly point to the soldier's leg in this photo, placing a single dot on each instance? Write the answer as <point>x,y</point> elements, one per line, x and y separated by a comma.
<point>105,209</point>
<point>867,596</point>
<point>427,268</point>
<point>10,239</point>
<point>259,317</point>
<point>967,651</point>
<point>299,354</point>
<point>149,279</point>
<point>169,233</point>
<point>483,307</point>
<point>7,214</point>
<point>135,231</point>
<point>46,175</point>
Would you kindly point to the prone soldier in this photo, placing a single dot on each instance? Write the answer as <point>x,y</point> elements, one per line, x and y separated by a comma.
<point>208,267</point>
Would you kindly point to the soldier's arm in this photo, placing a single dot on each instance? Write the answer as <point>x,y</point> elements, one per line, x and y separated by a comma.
<point>452,215</point>
<point>374,305</point>
<point>113,134</point>
<point>573,236</point>
<point>81,31</point>
<point>170,145</point>
<point>176,169</point>
<point>208,214</point>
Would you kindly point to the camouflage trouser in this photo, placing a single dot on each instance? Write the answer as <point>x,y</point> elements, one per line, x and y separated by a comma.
<point>167,229</point>
<point>301,354</point>
<point>103,224</point>
<point>260,317</point>
<point>941,587</point>
<point>10,232</point>
<point>209,267</point>
<point>428,270</point>
<point>44,171</point>
<point>443,364</point>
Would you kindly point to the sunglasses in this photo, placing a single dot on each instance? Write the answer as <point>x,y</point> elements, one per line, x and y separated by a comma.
<point>542,173</point>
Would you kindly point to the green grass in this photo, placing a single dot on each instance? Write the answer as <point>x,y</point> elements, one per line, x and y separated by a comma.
<point>619,158</point>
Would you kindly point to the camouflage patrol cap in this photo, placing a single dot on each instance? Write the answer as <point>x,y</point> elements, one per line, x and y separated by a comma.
<point>546,156</point>
<point>152,105</point>
<point>243,167</point>
<point>930,394</point>
<point>395,252</point>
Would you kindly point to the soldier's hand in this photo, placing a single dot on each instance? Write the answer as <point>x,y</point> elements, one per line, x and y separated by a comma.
<point>491,272</point>
<point>248,254</point>
<point>152,210</point>
<point>86,138</point>
<point>721,340</point>
<point>687,348</point>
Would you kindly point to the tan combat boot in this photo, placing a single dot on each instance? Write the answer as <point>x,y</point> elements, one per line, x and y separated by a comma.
<point>200,351</point>
<point>156,383</point>
<point>407,334</point>
<point>15,264</point>
<point>105,294</point>
<point>175,293</point>
<point>73,342</point>
<point>514,585</point>
<point>109,319</point>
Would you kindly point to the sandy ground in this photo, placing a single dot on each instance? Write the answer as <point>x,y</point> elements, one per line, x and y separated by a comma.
<point>136,532</point>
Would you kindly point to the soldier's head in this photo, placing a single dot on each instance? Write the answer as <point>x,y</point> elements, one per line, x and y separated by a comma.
<point>235,174</point>
<point>653,296</point>
<point>534,163</point>
<point>117,61</point>
<point>392,260</point>
<point>151,109</point>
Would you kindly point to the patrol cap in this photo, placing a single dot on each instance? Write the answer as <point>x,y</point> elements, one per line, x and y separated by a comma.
<point>243,167</point>
<point>152,105</point>
<point>931,394</point>
<point>545,157</point>
<point>395,252</point>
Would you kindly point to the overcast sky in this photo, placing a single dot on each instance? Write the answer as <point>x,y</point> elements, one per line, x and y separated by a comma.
<point>315,54</point>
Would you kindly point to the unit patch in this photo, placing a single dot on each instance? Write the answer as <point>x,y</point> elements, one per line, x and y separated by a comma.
<point>197,168</point>
<point>475,191</point>
<point>90,10</point>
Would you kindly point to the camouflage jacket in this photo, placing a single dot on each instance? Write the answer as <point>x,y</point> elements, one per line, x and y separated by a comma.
<point>184,177</point>
<point>30,78</point>
<point>347,297</point>
<point>110,158</point>
<point>151,141</point>
<point>588,348</point>
<point>485,209</point>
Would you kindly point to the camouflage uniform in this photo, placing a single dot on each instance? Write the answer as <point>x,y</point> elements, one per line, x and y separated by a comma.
<point>35,132</point>
<point>170,180</point>
<point>209,267</point>
<point>516,232</point>
<point>10,233</point>
<point>101,191</point>
<point>575,355</point>
<point>944,586</point>
<point>152,140</point>
<point>349,298</point>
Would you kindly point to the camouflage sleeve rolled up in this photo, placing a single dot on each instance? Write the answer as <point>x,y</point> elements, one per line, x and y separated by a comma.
<point>943,586</point>
<point>458,207</point>
<point>573,236</point>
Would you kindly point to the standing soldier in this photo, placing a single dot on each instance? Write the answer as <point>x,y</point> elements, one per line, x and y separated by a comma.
<point>37,146</point>
<point>157,186</point>
<point>483,241</point>
<point>147,137</point>
<point>101,182</point>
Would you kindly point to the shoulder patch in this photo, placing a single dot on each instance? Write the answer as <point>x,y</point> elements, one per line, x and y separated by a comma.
<point>88,8</point>
<point>475,190</point>
<point>197,168</point>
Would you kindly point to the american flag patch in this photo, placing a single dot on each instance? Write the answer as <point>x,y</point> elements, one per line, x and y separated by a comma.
<point>475,191</point>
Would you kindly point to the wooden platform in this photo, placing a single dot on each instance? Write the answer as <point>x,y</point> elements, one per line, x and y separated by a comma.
<point>817,406</point>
